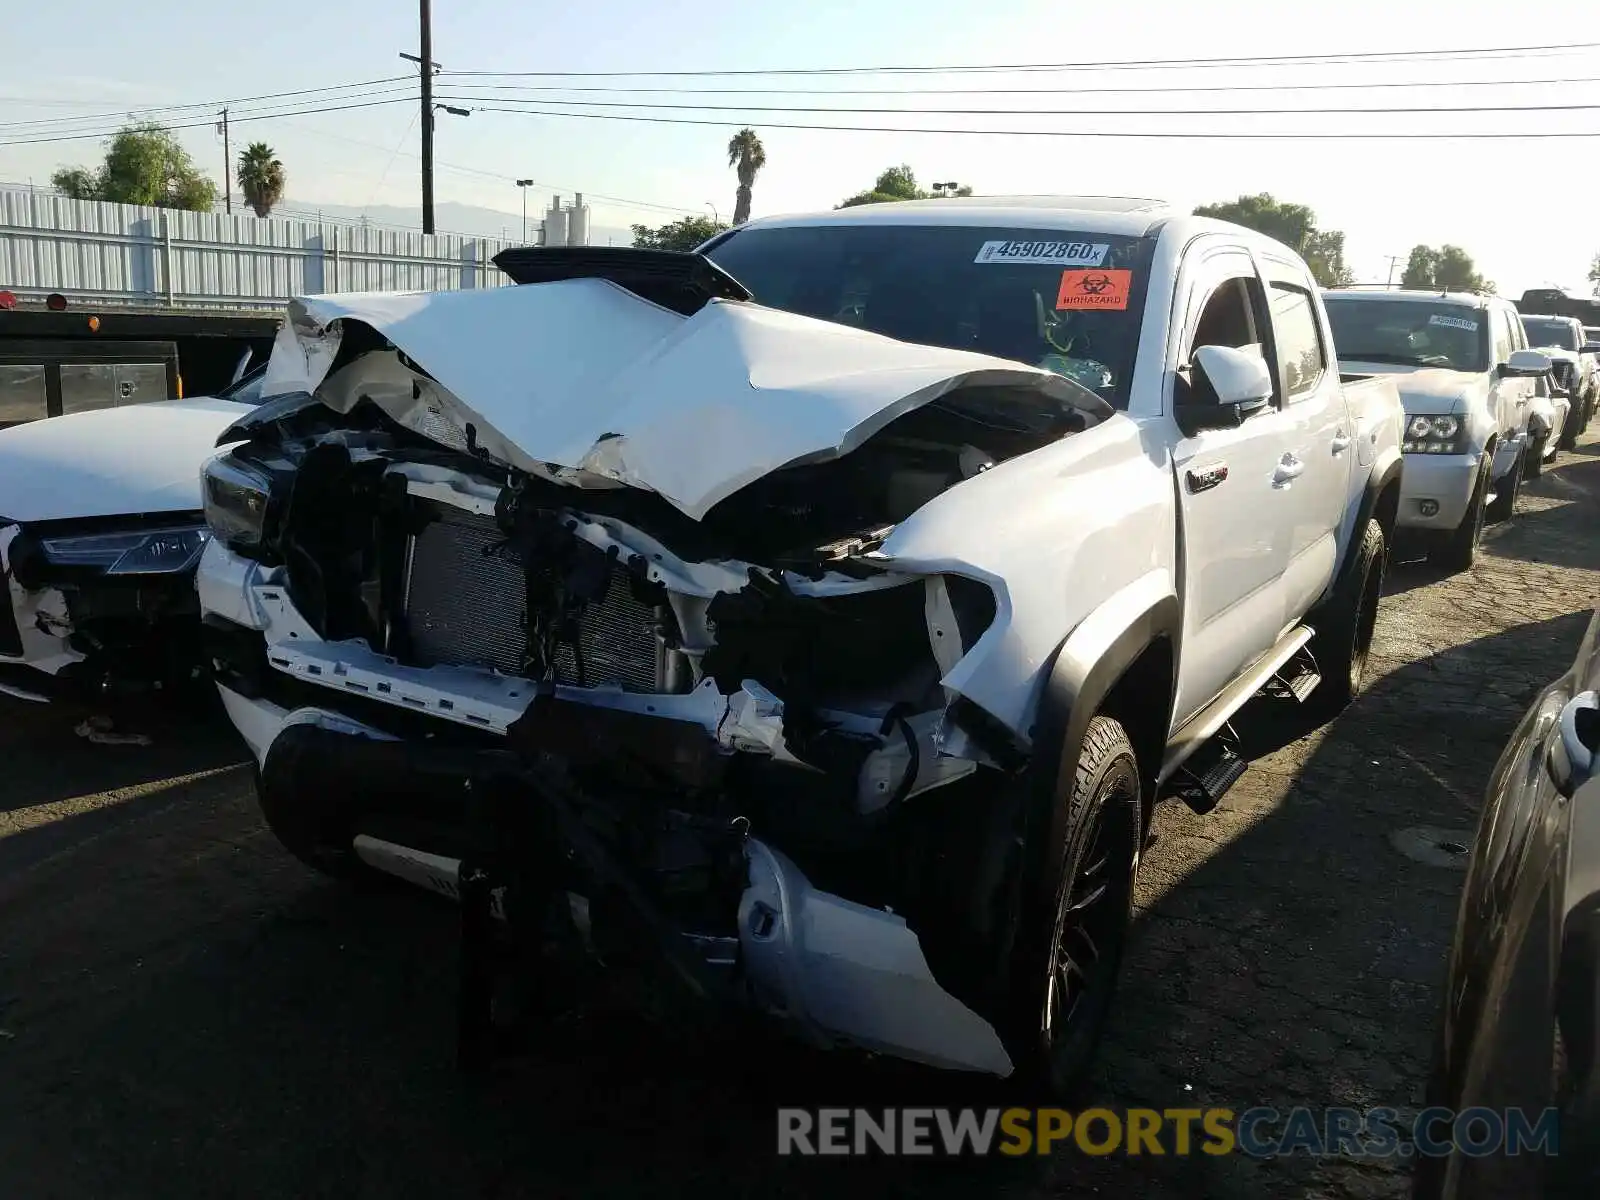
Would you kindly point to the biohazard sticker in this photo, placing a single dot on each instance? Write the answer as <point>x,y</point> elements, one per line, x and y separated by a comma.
<point>1454,323</point>
<point>1095,289</point>
<point>1048,254</point>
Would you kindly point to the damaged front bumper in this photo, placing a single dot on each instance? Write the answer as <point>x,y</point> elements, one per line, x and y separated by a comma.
<point>838,972</point>
<point>100,605</point>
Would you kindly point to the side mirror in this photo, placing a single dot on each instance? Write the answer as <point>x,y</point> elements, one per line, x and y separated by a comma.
<point>1229,385</point>
<point>1573,751</point>
<point>1528,363</point>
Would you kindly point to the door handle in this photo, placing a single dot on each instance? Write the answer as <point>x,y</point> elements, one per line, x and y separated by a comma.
<point>1289,467</point>
<point>1341,442</point>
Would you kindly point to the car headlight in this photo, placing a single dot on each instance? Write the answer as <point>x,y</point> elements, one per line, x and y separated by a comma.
<point>236,499</point>
<point>1434,435</point>
<point>142,552</point>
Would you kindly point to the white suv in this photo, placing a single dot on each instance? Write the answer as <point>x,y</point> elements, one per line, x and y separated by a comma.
<point>1469,384</point>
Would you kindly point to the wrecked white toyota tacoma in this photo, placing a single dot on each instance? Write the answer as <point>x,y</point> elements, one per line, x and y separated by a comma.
<point>815,618</point>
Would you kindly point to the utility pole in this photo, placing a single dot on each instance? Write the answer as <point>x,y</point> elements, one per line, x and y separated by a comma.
<point>227,165</point>
<point>427,115</point>
<point>427,66</point>
<point>1393,259</point>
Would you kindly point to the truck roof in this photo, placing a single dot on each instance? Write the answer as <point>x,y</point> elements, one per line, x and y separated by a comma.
<point>1126,215</point>
<point>1549,317</point>
<point>1466,299</point>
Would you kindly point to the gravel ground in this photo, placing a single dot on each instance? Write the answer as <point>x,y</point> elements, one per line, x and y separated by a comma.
<point>185,1010</point>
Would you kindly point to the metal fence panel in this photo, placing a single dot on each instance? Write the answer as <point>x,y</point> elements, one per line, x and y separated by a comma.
<point>129,254</point>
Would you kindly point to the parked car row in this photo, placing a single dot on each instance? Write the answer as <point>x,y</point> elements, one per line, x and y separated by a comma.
<point>814,619</point>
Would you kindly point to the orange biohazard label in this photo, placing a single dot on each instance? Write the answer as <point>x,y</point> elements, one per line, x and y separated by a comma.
<point>1094,289</point>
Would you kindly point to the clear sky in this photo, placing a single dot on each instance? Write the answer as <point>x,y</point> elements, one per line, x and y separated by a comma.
<point>1524,207</point>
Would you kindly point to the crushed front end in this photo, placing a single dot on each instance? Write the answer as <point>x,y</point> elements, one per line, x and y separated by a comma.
<point>619,656</point>
<point>102,604</point>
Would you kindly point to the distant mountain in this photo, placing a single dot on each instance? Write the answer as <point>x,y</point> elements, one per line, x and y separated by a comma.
<point>447,218</point>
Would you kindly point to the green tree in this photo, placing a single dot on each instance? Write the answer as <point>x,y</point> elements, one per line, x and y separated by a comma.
<point>1295,225</point>
<point>144,164</point>
<point>76,182</point>
<point>1594,274</point>
<point>684,234</point>
<point>1447,269</point>
<point>261,178</point>
<point>746,155</point>
<point>894,183</point>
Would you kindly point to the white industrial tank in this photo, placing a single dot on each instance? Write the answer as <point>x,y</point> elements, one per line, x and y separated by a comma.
<point>555,224</point>
<point>578,222</point>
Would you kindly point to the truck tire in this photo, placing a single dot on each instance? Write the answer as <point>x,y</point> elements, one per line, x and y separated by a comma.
<point>1065,961</point>
<point>1344,630</point>
<point>314,831</point>
<point>1458,550</point>
<point>1534,456</point>
<point>1505,499</point>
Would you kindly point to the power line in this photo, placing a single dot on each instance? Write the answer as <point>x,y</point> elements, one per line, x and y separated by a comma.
<point>1052,112</point>
<point>303,112</point>
<point>554,188</point>
<point>236,101</point>
<point>1024,91</point>
<point>1084,133</point>
<point>1100,65</point>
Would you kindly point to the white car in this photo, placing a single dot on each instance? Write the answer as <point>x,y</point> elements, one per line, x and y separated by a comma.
<point>1470,387</point>
<point>100,532</point>
<point>826,649</point>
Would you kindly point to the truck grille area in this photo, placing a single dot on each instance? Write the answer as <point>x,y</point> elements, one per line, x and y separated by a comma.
<point>464,602</point>
<point>466,606</point>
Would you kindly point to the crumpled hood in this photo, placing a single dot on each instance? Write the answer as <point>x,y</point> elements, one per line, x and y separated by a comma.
<point>1427,391</point>
<point>142,458</point>
<point>585,377</point>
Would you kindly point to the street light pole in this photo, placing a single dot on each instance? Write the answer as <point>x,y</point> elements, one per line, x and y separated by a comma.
<point>716,217</point>
<point>523,185</point>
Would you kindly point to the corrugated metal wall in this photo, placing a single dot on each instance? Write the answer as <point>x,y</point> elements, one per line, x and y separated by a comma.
<point>129,254</point>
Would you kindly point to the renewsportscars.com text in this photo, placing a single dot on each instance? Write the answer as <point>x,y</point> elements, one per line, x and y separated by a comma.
<point>1256,1132</point>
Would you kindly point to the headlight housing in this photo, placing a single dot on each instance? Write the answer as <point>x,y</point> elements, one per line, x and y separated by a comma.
<point>237,499</point>
<point>138,552</point>
<point>1435,435</point>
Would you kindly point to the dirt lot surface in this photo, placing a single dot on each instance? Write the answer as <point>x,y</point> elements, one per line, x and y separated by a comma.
<point>185,1011</point>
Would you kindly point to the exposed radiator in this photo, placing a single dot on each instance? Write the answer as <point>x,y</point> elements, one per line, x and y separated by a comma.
<point>465,607</point>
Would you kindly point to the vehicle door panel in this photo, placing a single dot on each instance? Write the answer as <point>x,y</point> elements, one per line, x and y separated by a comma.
<point>1323,443</point>
<point>1235,535</point>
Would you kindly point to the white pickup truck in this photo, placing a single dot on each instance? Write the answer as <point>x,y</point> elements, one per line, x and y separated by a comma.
<point>817,617</point>
<point>1470,386</point>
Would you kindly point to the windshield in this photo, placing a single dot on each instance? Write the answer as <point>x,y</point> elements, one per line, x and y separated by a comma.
<point>1409,332</point>
<point>1067,302</point>
<point>247,389</point>
<point>1546,332</point>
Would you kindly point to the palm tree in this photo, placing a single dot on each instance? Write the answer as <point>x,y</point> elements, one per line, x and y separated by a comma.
<point>747,155</point>
<point>260,177</point>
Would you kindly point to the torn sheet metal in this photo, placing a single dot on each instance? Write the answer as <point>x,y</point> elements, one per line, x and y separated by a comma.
<point>583,375</point>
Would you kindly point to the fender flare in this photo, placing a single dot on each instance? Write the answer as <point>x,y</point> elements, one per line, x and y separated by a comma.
<point>1384,472</point>
<point>1087,666</point>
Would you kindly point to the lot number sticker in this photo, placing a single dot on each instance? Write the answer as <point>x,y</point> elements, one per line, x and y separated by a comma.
<point>1454,323</point>
<point>1094,289</point>
<point>1049,254</point>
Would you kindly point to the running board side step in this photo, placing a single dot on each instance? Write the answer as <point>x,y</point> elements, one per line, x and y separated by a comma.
<point>1205,778</point>
<point>1206,723</point>
<point>1295,680</point>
